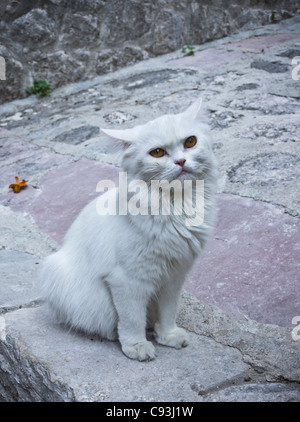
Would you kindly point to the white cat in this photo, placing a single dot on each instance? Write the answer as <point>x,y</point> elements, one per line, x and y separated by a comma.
<point>115,275</point>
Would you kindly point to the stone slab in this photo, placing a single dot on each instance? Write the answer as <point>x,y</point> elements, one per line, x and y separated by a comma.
<point>251,265</point>
<point>18,278</point>
<point>98,371</point>
<point>20,233</point>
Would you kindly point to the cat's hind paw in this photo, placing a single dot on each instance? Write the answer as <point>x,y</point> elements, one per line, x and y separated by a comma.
<point>140,351</point>
<point>176,337</point>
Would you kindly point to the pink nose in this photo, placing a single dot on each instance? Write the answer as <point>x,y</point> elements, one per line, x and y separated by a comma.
<point>180,162</point>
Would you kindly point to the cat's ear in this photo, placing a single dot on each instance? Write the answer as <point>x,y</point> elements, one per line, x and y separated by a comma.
<point>122,138</point>
<point>126,135</point>
<point>196,111</point>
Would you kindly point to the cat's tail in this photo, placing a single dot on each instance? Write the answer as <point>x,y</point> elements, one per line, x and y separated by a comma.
<point>52,285</point>
<point>77,298</point>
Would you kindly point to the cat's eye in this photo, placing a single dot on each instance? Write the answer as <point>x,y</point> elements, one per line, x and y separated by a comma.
<point>157,152</point>
<point>190,142</point>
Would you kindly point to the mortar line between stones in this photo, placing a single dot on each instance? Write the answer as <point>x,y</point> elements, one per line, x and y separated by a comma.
<point>281,207</point>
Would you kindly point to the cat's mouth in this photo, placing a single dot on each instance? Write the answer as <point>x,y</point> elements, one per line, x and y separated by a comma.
<point>183,174</point>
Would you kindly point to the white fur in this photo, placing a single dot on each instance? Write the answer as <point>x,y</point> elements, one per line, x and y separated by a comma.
<point>117,273</point>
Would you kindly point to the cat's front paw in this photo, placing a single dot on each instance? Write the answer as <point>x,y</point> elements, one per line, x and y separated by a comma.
<point>140,351</point>
<point>177,337</point>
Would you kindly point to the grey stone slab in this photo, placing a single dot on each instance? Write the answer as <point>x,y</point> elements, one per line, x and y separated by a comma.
<point>290,53</point>
<point>93,370</point>
<point>19,233</point>
<point>78,135</point>
<point>271,67</point>
<point>18,279</point>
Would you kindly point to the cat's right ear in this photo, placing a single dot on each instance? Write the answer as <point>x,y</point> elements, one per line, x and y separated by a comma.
<point>122,138</point>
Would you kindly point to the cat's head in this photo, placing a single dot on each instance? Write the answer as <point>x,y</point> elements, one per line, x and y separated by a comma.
<point>173,146</point>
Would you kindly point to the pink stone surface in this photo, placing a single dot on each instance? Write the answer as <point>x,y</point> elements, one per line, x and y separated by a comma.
<point>212,58</point>
<point>60,195</point>
<point>208,59</point>
<point>263,41</point>
<point>251,265</point>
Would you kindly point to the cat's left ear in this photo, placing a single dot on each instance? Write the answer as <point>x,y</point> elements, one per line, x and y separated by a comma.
<point>196,111</point>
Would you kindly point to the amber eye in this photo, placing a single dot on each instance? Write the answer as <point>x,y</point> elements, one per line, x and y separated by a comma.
<point>190,142</point>
<point>157,152</point>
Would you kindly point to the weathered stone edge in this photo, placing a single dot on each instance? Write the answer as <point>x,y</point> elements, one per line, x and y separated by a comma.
<point>269,349</point>
<point>24,379</point>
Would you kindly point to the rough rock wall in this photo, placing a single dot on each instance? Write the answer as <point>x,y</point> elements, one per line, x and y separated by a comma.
<point>66,41</point>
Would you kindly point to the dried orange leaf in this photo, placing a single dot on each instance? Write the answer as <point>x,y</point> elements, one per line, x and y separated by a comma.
<point>17,186</point>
